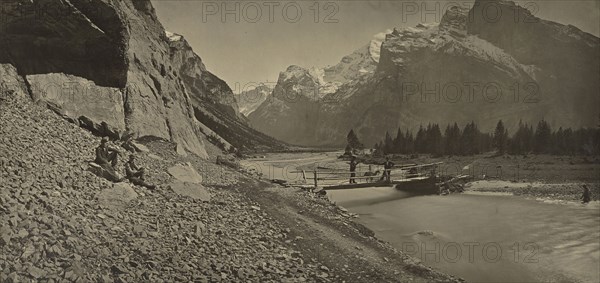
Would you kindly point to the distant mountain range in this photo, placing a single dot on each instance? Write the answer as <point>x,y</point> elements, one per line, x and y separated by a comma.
<point>466,68</point>
<point>249,100</point>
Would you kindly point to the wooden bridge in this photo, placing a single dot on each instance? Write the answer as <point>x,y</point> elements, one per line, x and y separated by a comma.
<point>409,177</point>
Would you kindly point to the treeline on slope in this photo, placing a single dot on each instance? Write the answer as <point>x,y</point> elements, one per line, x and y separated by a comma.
<point>243,138</point>
<point>470,140</point>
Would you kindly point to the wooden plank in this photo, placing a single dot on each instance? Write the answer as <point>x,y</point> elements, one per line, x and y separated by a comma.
<point>422,165</point>
<point>418,180</point>
<point>396,168</point>
<point>352,178</point>
<point>358,186</point>
<point>349,178</point>
<point>335,172</point>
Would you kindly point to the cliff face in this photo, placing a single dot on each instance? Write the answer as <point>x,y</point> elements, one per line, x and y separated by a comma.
<point>305,98</point>
<point>249,100</point>
<point>464,69</point>
<point>83,38</point>
<point>293,108</point>
<point>112,67</point>
<point>566,59</point>
<point>203,85</point>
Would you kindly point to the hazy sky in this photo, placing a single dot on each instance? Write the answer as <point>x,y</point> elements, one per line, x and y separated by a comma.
<point>268,36</point>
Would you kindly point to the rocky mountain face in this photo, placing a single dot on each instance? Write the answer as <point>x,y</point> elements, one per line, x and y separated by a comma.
<point>111,67</point>
<point>467,68</point>
<point>249,100</point>
<point>202,84</point>
<point>302,97</point>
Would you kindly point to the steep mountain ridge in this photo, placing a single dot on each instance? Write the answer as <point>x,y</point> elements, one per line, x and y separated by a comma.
<point>198,80</point>
<point>451,72</point>
<point>294,107</point>
<point>250,99</point>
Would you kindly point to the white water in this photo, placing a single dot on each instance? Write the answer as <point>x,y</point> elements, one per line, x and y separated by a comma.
<point>485,238</point>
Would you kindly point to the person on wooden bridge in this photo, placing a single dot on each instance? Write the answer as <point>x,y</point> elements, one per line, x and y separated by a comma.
<point>353,164</point>
<point>387,170</point>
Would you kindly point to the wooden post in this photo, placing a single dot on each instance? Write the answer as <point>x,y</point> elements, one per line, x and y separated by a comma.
<point>304,176</point>
<point>315,175</point>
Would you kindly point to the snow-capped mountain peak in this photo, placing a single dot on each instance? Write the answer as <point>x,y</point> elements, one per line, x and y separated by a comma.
<point>173,36</point>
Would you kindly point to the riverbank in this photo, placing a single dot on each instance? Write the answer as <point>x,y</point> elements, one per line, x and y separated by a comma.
<point>536,176</point>
<point>544,191</point>
<point>515,168</point>
<point>327,234</point>
<point>60,222</point>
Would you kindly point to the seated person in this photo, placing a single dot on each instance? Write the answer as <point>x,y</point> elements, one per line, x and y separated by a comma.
<point>107,157</point>
<point>135,174</point>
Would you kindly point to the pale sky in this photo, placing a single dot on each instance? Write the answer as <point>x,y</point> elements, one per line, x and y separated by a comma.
<point>270,35</point>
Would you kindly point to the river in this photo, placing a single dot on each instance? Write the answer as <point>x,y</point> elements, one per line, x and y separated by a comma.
<point>479,237</point>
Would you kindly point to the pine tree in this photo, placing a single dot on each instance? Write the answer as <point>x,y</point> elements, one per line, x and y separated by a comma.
<point>452,140</point>
<point>543,138</point>
<point>569,142</point>
<point>520,143</point>
<point>388,144</point>
<point>435,140</point>
<point>500,138</point>
<point>559,145</point>
<point>353,141</point>
<point>348,150</point>
<point>409,143</point>
<point>469,144</point>
<point>399,142</point>
<point>421,141</point>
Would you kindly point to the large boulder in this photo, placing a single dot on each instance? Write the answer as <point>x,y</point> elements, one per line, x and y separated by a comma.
<point>98,108</point>
<point>117,197</point>
<point>188,182</point>
<point>185,173</point>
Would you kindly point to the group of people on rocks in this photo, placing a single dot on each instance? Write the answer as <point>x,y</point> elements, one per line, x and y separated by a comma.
<point>108,157</point>
<point>387,169</point>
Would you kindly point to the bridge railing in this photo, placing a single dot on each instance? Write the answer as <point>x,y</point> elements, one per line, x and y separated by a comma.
<point>403,171</point>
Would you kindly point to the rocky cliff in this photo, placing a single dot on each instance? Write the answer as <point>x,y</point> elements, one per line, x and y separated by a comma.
<point>201,83</point>
<point>302,97</point>
<point>110,66</point>
<point>250,99</point>
<point>465,69</point>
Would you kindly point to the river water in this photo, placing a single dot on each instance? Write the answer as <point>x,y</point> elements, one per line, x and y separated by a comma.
<point>480,237</point>
<point>485,238</point>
